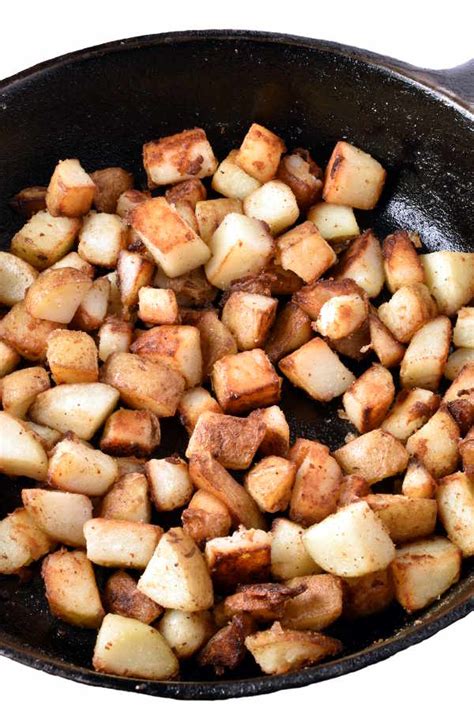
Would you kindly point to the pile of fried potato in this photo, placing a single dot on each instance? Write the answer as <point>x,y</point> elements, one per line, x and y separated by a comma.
<point>114,318</point>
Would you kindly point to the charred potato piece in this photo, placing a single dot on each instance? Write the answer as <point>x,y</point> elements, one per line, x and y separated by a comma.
<point>179,157</point>
<point>375,455</point>
<point>241,558</point>
<point>226,648</point>
<point>368,399</point>
<point>275,204</point>
<point>72,357</point>
<point>45,239</point>
<point>128,499</point>
<point>299,171</point>
<point>245,381</point>
<point>122,597</point>
<point>303,250</point>
<point>70,191</point>
<point>353,178</point>
<point>260,152</point>
<point>312,297</point>
<point>29,201</point>
<point>110,183</point>
<point>127,203</point>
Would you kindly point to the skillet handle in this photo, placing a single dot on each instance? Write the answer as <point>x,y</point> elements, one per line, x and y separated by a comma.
<point>457,82</point>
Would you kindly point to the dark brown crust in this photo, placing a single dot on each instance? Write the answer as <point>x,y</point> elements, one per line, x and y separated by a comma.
<point>131,433</point>
<point>462,412</point>
<point>236,396</point>
<point>356,345</point>
<point>264,601</point>
<point>29,201</point>
<point>312,297</point>
<point>292,329</point>
<point>259,284</point>
<point>284,282</point>
<point>236,567</point>
<point>226,649</point>
<point>191,289</point>
<point>354,253</point>
<point>367,595</point>
<point>216,339</point>
<point>308,189</point>
<point>122,597</point>
<point>192,191</point>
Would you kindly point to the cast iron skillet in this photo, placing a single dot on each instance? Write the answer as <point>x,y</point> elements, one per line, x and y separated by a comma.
<point>101,104</point>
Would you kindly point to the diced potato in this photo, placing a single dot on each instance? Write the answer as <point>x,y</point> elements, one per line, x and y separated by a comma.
<point>263,601</point>
<point>367,594</point>
<point>70,190</point>
<point>110,183</point>
<point>270,482</point>
<point>245,381</point>
<point>130,465</point>
<point>128,201</point>
<point>241,246</point>
<point>278,651</point>
<point>401,262</point>
<point>190,191</point>
<point>351,542</point>
<point>56,294</point>
<point>418,482</point>
<point>26,335</point>
<point>243,557</point>
<point>134,272</point>
<point>316,490</point>
<point>404,518</point>
<point>425,358</point>
<point>210,213</point>
<point>363,262</point>
<point>353,178</point>
<point>206,517</point>
<point>455,497</point>
<point>71,588</point>
<point>216,339</point>
<point>128,647</point>
<point>424,570</point>
<point>292,329</point>
<point>115,336</point>
<point>177,575</point>
<point>463,334</point>
<point>21,454</point>
<point>29,201</point>
<point>122,597</point>
<point>282,281</point>
<point>289,557</point>
<point>206,473</point>
<point>353,488</point>
<point>179,157</point>
<point>175,247</point>
<point>19,390</point>
<point>356,345</point>
<point>157,306</point>
<point>450,278</point>
<point>411,410</point>
<point>456,362</point>
<point>21,542</point>
<point>186,632</point>
<point>128,499</point>
<point>143,384</point>
<point>249,318</point>
<point>72,357</point>
<point>299,171</point>
<point>368,399</point>
<point>102,238</point>
<point>317,369</point>
<point>304,251</point>
<point>336,223</point>
<point>340,316</point>
<point>92,310</point>
<point>466,450</point>
<point>275,204</point>
<point>312,297</point>
<point>78,468</point>
<point>9,359</point>
<point>16,276</point>
<point>74,261</point>
<point>407,311</point>
<point>375,455</point>
<point>462,386</point>
<point>120,544</point>
<point>233,182</point>
<point>385,346</point>
<point>193,403</point>
<point>60,514</point>
<point>45,239</point>
<point>47,436</point>
<point>114,305</point>
<point>260,152</point>
<point>316,607</point>
<point>130,433</point>
<point>178,346</point>
<point>277,431</point>
<point>226,649</point>
<point>436,444</point>
<point>170,485</point>
<point>80,408</point>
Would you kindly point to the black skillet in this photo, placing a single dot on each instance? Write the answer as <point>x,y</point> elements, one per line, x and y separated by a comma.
<point>101,104</point>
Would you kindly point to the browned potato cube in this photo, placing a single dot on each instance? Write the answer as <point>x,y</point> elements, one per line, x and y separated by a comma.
<point>402,264</point>
<point>243,557</point>
<point>115,336</point>
<point>292,329</point>
<point>273,203</point>
<point>143,384</point>
<point>92,310</point>
<point>56,294</point>
<point>353,488</point>
<point>157,306</point>
<point>368,399</point>
<point>245,381</point>
<point>316,490</point>
<point>120,544</point>
<point>449,277</point>
<point>270,482</point>
<point>436,444</point>
<point>462,386</point>
<point>16,276</point>
<point>130,465</point>
<point>407,311</point>
<point>122,597</point>
<point>45,239</point>
<point>71,588</point>
<point>70,190</point>
<point>277,431</point>
<point>249,318</point>
<point>21,542</point>
<point>134,272</point>
<point>206,517</point>
<point>19,390</point>
<point>455,497</point>
<point>9,359</point>
<point>191,191</point>
<point>178,346</point>
<point>363,262</point>
<point>128,499</point>
<point>260,152</point>
<point>110,183</point>
<point>303,251</point>
<point>210,213</point>
<point>299,171</point>
<point>175,158</point>
<point>29,201</point>
<point>316,607</point>
<point>289,556</point>
<point>317,369</point>
<point>404,518</point>
<point>233,182</point>
<point>341,316</point>
<point>131,433</point>
<point>216,339</point>
<point>312,297</point>
<point>72,357</point>
<point>385,346</point>
<point>412,408</point>
<point>367,594</point>
<point>193,403</point>
<point>374,456</point>
<point>170,485</point>
<point>425,358</point>
<point>418,482</point>
<point>353,178</point>
<point>60,514</point>
<point>336,223</point>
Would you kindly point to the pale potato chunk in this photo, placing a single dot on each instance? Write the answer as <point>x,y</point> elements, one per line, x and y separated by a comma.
<point>424,570</point>
<point>455,497</point>
<point>456,362</point>
<point>312,297</point>
<point>425,358</point>
<point>402,264</point>
<point>206,517</point>
<point>240,247</point>
<point>92,310</point>
<point>57,294</point>
<point>336,223</point>
<point>375,455</point>
<point>122,597</point>
<point>170,485</point>
<point>157,306</point>
<point>450,278</point>
<point>71,588</point>
<point>101,239</point>
<point>115,336</point>
<point>270,482</point>
<point>363,262</point>
<point>418,482</point>
<point>316,607</point>
<point>177,575</point>
<point>46,435</point>
<point>9,359</point>
<point>233,182</point>
<point>260,152</point>
<point>411,410</point>
<point>19,390</point>
<point>16,276</point>
<point>368,399</point>
<point>77,467</point>
<point>131,433</point>
<point>289,557</point>
<point>128,499</point>
<point>351,542</point>
<point>130,648</point>
<point>404,518</point>
<point>70,190</point>
<point>80,408</point>
<point>245,381</point>
<point>249,318</point>
<point>72,357</point>
<point>21,542</point>
<point>110,184</point>
<point>60,514</point>
<point>120,544</point>
<point>304,251</point>
<point>186,632</point>
<point>21,454</point>
<point>178,346</point>
<point>353,178</point>
<point>317,369</point>
<point>193,403</point>
<point>45,239</point>
<point>436,444</point>
<point>275,204</point>
<point>244,557</point>
<point>292,329</point>
<point>210,213</point>
<point>317,483</point>
<point>175,158</point>
<point>463,334</point>
<point>407,311</point>
<point>340,316</point>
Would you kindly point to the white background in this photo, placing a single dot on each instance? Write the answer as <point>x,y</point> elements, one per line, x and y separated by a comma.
<point>437,673</point>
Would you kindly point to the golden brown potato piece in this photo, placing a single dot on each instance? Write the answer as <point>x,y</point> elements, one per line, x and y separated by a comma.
<point>170,485</point>
<point>56,294</point>
<point>115,336</point>
<point>193,403</point>
<point>407,311</point>
<point>191,289</point>
<point>29,201</point>
<point>243,557</point>
<point>375,455</point>
<point>436,444</point>
<point>128,499</point>
<point>122,597</point>
<point>110,183</point>
<point>249,318</point>
<point>302,250</point>
<point>72,357</point>
<point>260,152</point>
<point>363,262</point>
<point>404,518</point>
<point>418,482</point>
<point>292,329</point>
<point>143,384</point>
<point>367,594</point>
<point>70,191</point>
<point>76,467</point>
<point>71,588</point>
<point>270,482</point>
<point>353,488</point>
<point>299,171</point>
<point>191,191</point>
<point>277,433</point>
<point>178,347</point>
<point>353,178</point>
<point>449,277</point>
<point>134,272</point>
<point>128,201</point>
<point>274,204</point>
<point>385,346</point>
<point>216,339</point>
<point>45,239</point>
<point>402,264</point>
<point>175,158</point>
<point>282,281</point>
<point>21,541</point>
<point>207,474</point>
<point>210,213</point>
<point>463,334</point>
<point>411,409</point>
<point>157,306</point>
<point>19,389</point>
<point>368,399</point>
<point>316,488</point>
<point>21,452</point>
<point>9,358</point>
<point>245,381</point>
<point>206,517</point>
<point>226,648</point>
<point>27,335</point>
<point>317,606</point>
<point>16,276</point>
<point>131,433</point>
<point>425,358</point>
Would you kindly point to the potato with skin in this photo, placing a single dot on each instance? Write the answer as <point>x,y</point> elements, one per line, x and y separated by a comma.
<point>291,330</point>
<point>418,482</point>
<point>363,262</point>
<point>60,514</point>
<point>336,223</point>
<point>71,588</point>
<point>115,336</point>
<point>367,594</point>
<point>340,316</point>
<point>404,518</point>
<point>157,306</point>
<point>215,338</point>
<point>263,601</point>
<point>424,570</point>
<point>436,444</point>
<point>289,557</point>
<point>45,239</point>
<point>143,384</point>
<point>210,213</point>
<point>455,497</point>
<point>193,403</point>
<point>402,264</point>
<point>244,557</point>
<point>19,390</point>
<point>388,350</point>
<point>110,183</point>
<point>303,250</point>
<point>127,499</point>
<point>270,482</point>
<point>128,647</point>
<point>92,310</point>
<point>122,597</point>
<point>70,190</point>
<point>245,381</point>
<point>316,490</point>
<point>260,152</point>
<point>299,171</point>
<point>316,607</point>
<point>170,485</point>
<point>450,278</point>
<point>425,358</point>
<point>249,318</point>
<point>21,454</point>
<point>226,648</point>
<point>130,433</point>
<point>9,359</point>
<point>29,201</point>
<point>410,411</point>
<point>368,399</point>
<point>233,182</point>
<point>275,204</point>
<point>21,542</point>
<point>76,467</point>
<point>276,440</point>
<point>72,357</point>
<point>186,632</point>
<point>180,346</point>
<point>134,272</point>
<point>178,157</point>
<point>407,311</point>
<point>120,544</point>
<point>16,276</point>
<point>177,575</point>
<point>375,455</point>
<point>206,517</point>
<point>353,178</point>
<point>191,191</point>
